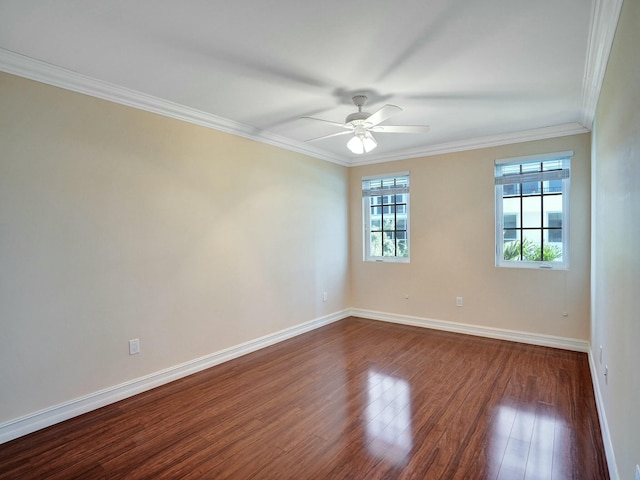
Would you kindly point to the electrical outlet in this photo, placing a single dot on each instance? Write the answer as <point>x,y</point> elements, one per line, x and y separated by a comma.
<point>134,346</point>
<point>458,301</point>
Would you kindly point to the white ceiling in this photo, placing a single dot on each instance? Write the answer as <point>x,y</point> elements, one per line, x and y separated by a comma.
<point>476,71</point>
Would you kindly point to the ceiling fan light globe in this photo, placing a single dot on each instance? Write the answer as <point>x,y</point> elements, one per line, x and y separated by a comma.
<point>356,145</point>
<point>361,143</point>
<point>369,142</point>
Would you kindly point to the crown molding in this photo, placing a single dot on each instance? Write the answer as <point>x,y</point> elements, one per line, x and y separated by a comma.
<point>604,21</point>
<point>27,67</point>
<point>476,143</point>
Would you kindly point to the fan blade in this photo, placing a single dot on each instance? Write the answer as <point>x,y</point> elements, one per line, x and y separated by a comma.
<point>382,114</point>
<point>336,124</point>
<point>329,136</point>
<point>401,128</point>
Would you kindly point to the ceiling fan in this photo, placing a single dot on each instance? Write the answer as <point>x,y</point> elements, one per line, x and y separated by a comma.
<point>361,125</point>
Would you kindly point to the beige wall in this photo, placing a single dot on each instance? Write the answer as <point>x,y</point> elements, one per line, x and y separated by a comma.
<point>116,223</point>
<point>616,234</point>
<point>452,248</point>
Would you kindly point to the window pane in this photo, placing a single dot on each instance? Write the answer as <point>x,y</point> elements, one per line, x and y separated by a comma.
<point>388,182</point>
<point>531,212</point>
<point>389,223</point>
<point>376,224</point>
<point>376,200</point>
<point>555,219</point>
<point>553,186</point>
<point>531,167</point>
<point>553,252</point>
<point>530,188</point>
<point>389,245</point>
<point>509,235</point>
<point>511,206</point>
<point>401,246</point>
<point>552,210</point>
<point>376,211</point>
<point>510,220</point>
<point>402,182</point>
<point>401,223</point>
<point>531,245</point>
<point>376,244</point>
<point>553,237</point>
<point>511,249</point>
<point>510,169</point>
<point>511,189</point>
<point>552,165</point>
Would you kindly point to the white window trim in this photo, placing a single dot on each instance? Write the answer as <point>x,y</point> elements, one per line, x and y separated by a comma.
<point>366,224</point>
<point>566,195</point>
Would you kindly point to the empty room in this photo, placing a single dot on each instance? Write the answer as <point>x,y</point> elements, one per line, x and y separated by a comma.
<point>334,240</point>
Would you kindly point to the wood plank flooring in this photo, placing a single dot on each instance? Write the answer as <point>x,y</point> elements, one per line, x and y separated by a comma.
<point>357,399</point>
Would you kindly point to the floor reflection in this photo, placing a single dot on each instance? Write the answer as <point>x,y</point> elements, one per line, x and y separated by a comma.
<point>388,418</point>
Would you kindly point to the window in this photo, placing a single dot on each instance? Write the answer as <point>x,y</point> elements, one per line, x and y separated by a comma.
<point>385,202</point>
<point>532,211</point>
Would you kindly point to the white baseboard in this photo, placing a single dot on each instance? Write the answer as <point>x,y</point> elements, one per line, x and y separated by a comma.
<point>479,331</point>
<point>604,425</point>
<point>35,421</point>
<point>49,416</point>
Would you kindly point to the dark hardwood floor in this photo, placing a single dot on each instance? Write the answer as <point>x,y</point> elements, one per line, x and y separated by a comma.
<point>356,399</point>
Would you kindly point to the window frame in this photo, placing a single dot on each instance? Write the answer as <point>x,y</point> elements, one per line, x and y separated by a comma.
<point>366,217</point>
<point>565,157</point>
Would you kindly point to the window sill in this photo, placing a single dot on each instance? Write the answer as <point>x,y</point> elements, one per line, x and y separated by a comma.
<point>534,265</point>
<point>387,260</point>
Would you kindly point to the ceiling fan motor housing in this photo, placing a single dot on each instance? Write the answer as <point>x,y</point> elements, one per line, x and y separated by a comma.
<point>358,117</point>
